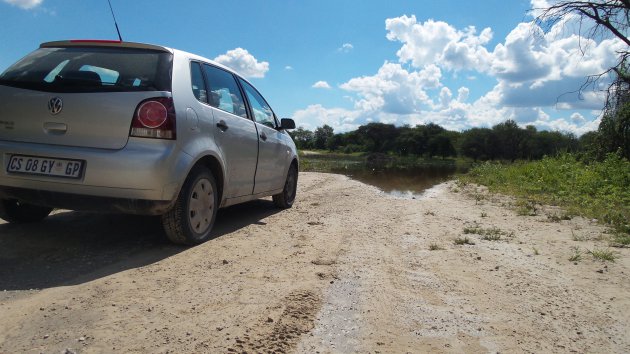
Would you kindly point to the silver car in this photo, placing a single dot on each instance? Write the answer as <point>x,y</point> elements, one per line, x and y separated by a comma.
<point>136,128</point>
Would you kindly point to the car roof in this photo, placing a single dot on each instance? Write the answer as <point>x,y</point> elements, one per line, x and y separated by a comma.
<point>121,44</point>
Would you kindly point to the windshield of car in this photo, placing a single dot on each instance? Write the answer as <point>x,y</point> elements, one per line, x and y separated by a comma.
<point>91,69</point>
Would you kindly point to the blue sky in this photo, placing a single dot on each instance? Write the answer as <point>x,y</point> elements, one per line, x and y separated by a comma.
<point>459,64</point>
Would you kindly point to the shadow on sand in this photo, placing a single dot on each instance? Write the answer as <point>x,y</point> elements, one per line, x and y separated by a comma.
<point>70,247</point>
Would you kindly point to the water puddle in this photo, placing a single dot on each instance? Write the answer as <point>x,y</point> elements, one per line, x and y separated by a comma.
<point>403,183</point>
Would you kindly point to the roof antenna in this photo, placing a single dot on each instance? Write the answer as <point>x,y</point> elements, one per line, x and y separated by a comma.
<point>115,24</point>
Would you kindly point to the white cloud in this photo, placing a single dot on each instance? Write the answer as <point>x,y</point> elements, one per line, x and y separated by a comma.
<point>517,60</point>
<point>244,63</point>
<point>564,125</point>
<point>538,6</point>
<point>462,94</point>
<point>345,48</point>
<point>321,85</point>
<point>25,4</point>
<point>550,70</point>
<point>446,96</point>
<point>316,115</point>
<point>531,67</point>
<point>288,68</point>
<point>555,56</point>
<point>394,89</point>
<point>577,118</point>
<point>438,42</point>
<point>527,115</point>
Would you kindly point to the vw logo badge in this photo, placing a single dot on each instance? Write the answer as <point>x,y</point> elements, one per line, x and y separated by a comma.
<point>55,105</point>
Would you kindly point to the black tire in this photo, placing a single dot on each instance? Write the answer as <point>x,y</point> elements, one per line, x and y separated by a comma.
<point>285,199</point>
<point>15,211</point>
<point>190,220</point>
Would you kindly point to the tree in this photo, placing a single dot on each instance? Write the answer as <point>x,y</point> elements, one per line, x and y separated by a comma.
<point>478,144</point>
<point>432,129</point>
<point>378,137</point>
<point>411,141</point>
<point>303,138</point>
<point>614,130</point>
<point>322,134</point>
<point>547,143</point>
<point>590,148</point>
<point>510,138</point>
<point>335,142</point>
<point>440,145</point>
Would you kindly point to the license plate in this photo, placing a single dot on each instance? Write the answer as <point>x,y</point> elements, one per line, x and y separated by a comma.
<point>45,166</point>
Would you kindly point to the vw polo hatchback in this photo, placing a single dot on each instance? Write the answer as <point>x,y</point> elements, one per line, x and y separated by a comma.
<point>136,128</point>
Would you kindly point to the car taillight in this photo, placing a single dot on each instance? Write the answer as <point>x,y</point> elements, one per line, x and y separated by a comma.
<point>154,118</point>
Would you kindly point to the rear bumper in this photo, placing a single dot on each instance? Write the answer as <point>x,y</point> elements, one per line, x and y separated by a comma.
<point>144,177</point>
<point>86,202</point>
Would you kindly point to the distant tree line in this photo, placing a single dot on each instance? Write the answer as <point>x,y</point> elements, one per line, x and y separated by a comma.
<point>504,141</point>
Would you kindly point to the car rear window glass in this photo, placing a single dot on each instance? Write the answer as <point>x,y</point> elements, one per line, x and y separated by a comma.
<point>91,69</point>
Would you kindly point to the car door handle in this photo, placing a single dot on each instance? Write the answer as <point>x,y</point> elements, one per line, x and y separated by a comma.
<point>222,125</point>
<point>263,136</point>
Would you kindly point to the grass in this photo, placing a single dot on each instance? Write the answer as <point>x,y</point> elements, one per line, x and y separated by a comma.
<point>558,217</point>
<point>577,255</point>
<point>603,255</point>
<point>478,197</point>
<point>463,241</point>
<point>435,247</point>
<point>620,240</point>
<point>536,252</point>
<point>578,237</point>
<point>526,207</point>
<point>473,230</point>
<point>322,161</point>
<point>327,161</point>
<point>489,234</point>
<point>491,237</point>
<point>599,190</point>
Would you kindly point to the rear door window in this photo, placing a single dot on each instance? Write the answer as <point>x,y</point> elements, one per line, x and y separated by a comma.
<point>223,91</point>
<point>91,69</point>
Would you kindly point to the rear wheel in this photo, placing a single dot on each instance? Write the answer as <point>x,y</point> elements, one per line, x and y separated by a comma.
<point>286,198</point>
<point>15,211</point>
<point>190,221</point>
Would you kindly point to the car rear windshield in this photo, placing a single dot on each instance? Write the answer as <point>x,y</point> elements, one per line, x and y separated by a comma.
<point>91,69</point>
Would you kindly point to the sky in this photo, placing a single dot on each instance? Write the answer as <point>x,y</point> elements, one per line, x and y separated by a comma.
<point>345,63</point>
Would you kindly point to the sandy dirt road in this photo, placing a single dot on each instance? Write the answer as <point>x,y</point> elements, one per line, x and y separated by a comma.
<point>347,269</point>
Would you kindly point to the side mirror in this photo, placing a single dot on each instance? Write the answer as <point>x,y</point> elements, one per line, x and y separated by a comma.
<point>287,123</point>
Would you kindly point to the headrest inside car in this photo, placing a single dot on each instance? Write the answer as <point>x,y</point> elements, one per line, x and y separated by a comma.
<point>80,78</point>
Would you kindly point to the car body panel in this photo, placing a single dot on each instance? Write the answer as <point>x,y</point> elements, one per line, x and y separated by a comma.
<point>238,145</point>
